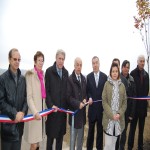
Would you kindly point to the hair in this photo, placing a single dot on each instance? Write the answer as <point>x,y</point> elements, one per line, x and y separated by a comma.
<point>112,66</point>
<point>140,57</point>
<point>124,63</point>
<point>76,60</point>
<point>11,51</point>
<point>95,58</point>
<point>116,59</point>
<point>38,54</point>
<point>60,51</point>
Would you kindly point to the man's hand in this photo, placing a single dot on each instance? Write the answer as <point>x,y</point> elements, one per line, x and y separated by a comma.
<point>130,118</point>
<point>19,116</point>
<point>90,101</point>
<point>81,105</point>
<point>84,101</point>
<point>55,107</point>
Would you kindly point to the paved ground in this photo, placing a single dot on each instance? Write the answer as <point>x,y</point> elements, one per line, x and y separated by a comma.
<point>25,146</point>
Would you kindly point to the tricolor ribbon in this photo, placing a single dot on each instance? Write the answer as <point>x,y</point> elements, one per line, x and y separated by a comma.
<point>30,117</point>
<point>4,118</point>
<point>85,104</point>
<point>141,98</point>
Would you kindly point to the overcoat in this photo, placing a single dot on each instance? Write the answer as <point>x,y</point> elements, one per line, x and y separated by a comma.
<point>56,95</point>
<point>141,90</point>
<point>106,101</point>
<point>34,129</point>
<point>76,92</point>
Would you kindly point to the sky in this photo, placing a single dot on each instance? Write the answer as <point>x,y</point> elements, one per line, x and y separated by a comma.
<point>82,28</point>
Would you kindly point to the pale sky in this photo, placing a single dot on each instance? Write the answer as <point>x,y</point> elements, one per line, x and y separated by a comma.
<point>82,28</point>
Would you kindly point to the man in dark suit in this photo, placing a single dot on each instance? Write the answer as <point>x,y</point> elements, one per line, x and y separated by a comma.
<point>56,84</point>
<point>76,95</point>
<point>95,83</point>
<point>141,79</point>
<point>131,103</point>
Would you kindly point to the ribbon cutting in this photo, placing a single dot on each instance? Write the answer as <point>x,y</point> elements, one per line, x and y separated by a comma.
<point>4,118</point>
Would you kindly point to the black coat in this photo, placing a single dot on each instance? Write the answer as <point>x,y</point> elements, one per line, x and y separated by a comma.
<point>56,95</point>
<point>12,100</point>
<point>141,90</point>
<point>96,109</point>
<point>76,93</point>
<point>131,92</point>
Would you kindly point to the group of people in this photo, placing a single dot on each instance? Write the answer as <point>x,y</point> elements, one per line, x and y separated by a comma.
<point>111,107</point>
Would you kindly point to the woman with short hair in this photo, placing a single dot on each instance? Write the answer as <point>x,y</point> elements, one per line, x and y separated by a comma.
<point>36,95</point>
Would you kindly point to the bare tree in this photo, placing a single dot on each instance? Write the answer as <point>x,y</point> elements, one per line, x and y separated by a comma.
<point>142,23</point>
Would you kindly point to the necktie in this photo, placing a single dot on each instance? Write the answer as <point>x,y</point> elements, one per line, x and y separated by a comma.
<point>79,79</point>
<point>60,73</point>
<point>96,79</point>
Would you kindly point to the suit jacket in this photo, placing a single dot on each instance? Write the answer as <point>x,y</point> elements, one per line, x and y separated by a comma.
<point>76,92</point>
<point>96,109</point>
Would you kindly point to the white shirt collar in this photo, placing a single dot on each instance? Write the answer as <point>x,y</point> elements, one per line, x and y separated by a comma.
<point>77,76</point>
<point>96,74</point>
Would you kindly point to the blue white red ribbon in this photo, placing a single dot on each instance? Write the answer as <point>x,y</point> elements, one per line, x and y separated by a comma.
<point>30,117</point>
<point>4,118</point>
<point>141,98</point>
<point>65,111</point>
<point>85,104</point>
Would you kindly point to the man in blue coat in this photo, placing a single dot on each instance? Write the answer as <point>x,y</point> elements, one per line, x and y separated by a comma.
<point>95,83</point>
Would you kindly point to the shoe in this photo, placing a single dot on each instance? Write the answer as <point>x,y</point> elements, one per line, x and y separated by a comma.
<point>37,148</point>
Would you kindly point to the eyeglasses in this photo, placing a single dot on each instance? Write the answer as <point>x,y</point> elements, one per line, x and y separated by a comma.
<point>15,59</point>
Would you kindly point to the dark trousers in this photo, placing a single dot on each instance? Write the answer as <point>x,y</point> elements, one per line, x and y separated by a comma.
<point>11,145</point>
<point>50,141</point>
<point>99,138</point>
<point>123,135</point>
<point>141,123</point>
<point>117,143</point>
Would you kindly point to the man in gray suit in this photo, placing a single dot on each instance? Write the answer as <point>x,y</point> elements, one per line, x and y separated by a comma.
<point>76,95</point>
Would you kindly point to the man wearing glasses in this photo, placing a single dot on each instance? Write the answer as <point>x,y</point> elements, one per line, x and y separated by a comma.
<point>12,102</point>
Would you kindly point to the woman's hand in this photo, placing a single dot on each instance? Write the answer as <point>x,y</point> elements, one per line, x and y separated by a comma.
<point>37,116</point>
<point>116,117</point>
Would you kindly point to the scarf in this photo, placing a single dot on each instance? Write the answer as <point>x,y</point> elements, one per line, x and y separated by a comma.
<point>41,77</point>
<point>112,124</point>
